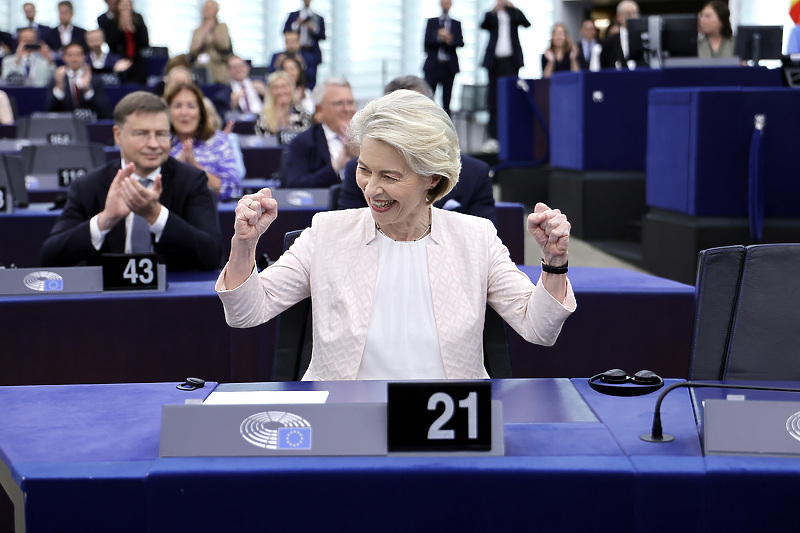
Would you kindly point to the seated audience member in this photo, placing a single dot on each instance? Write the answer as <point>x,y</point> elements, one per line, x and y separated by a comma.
<point>616,52</point>
<point>589,48</point>
<point>211,44</point>
<point>6,43</point>
<point>180,60</point>
<point>175,208</point>
<point>472,194</point>
<point>6,111</point>
<point>73,87</point>
<point>280,114</point>
<point>106,19</point>
<point>310,28</point>
<point>100,61</point>
<point>243,95</point>
<point>30,21</point>
<point>716,34</point>
<point>302,94</point>
<point>31,62</point>
<point>63,34</point>
<point>292,43</point>
<point>196,142</point>
<point>386,281</point>
<point>316,157</point>
<point>562,55</point>
<point>126,37</point>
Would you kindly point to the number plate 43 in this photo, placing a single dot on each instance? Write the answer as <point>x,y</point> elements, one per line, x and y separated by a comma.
<point>126,272</point>
<point>439,416</point>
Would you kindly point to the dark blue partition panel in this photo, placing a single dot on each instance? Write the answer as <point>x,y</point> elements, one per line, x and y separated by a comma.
<point>515,120</point>
<point>29,99</point>
<point>698,150</point>
<point>599,119</point>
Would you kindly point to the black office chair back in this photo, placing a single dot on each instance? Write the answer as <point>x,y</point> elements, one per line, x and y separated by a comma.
<point>57,128</point>
<point>763,338</point>
<point>294,339</point>
<point>12,172</point>
<point>51,158</point>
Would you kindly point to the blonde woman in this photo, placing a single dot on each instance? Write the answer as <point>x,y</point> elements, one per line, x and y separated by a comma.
<point>562,55</point>
<point>280,113</point>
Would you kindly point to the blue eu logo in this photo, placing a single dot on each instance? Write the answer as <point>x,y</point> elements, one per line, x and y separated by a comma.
<point>54,285</point>
<point>298,438</point>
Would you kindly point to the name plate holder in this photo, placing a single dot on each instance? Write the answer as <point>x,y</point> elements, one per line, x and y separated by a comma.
<point>60,280</point>
<point>751,427</point>
<point>319,429</point>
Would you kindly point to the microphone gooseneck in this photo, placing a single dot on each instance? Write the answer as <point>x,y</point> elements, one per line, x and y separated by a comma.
<point>656,432</point>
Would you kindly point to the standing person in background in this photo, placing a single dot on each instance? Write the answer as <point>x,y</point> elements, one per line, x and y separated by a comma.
<point>63,34</point>
<point>616,51</point>
<point>30,16</point>
<point>503,55</point>
<point>127,37</point>
<point>562,55</point>
<point>442,38</point>
<point>589,46</point>
<point>211,44</point>
<point>311,28</point>
<point>104,20</point>
<point>716,34</point>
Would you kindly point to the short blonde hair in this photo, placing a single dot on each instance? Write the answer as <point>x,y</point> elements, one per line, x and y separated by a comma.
<point>419,129</point>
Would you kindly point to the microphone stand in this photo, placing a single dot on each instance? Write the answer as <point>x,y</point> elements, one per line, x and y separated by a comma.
<point>657,434</point>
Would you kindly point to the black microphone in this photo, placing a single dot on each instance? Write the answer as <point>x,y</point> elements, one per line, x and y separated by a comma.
<point>656,433</point>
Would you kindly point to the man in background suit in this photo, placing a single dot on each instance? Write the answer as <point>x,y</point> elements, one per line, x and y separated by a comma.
<point>616,48</point>
<point>471,195</point>
<point>63,34</point>
<point>243,95</point>
<point>316,157</point>
<point>73,86</point>
<point>587,44</point>
<point>442,38</point>
<point>504,52</point>
<point>104,62</point>
<point>104,20</point>
<point>311,29</point>
<point>177,206</point>
<point>30,15</point>
<point>30,63</point>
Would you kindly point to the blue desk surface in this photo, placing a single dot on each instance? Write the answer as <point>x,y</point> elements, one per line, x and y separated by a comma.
<point>85,458</point>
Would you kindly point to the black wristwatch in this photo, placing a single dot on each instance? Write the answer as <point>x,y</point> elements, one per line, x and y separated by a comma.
<point>550,269</point>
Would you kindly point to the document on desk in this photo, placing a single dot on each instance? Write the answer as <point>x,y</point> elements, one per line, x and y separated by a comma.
<point>266,397</point>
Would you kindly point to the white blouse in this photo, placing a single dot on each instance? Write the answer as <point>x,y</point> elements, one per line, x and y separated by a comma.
<point>402,340</point>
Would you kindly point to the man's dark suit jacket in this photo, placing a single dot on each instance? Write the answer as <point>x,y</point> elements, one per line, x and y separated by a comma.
<point>582,61</point>
<point>471,195</point>
<point>316,53</point>
<point>53,39</point>
<point>612,53</point>
<point>191,239</point>
<point>490,23</point>
<point>98,103</point>
<point>308,161</point>
<point>432,46</point>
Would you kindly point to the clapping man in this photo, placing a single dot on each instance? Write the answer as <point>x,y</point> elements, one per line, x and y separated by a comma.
<point>243,95</point>
<point>145,202</point>
<point>73,87</point>
<point>310,27</point>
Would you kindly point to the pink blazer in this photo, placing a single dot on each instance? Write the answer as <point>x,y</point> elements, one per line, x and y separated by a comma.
<point>468,267</point>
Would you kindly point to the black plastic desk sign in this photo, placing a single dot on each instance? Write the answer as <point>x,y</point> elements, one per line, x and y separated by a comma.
<point>439,416</point>
<point>132,272</point>
<point>328,429</point>
<point>68,175</point>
